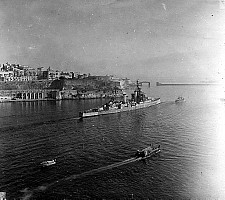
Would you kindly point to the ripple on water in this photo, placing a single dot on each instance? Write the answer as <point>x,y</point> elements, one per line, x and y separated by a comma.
<point>188,134</point>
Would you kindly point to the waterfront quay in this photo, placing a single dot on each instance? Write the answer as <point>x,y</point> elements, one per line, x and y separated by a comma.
<point>54,94</point>
<point>30,95</point>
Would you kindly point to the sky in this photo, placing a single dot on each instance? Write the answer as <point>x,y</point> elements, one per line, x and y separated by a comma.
<point>164,40</point>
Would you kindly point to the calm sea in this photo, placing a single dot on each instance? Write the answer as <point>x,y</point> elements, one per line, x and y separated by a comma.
<point>190,166</point>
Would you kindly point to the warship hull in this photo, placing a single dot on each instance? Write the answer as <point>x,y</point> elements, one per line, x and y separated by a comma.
<point>122,108</point>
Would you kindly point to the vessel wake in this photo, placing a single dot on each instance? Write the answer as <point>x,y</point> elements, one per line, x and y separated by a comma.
<point>28,194</point>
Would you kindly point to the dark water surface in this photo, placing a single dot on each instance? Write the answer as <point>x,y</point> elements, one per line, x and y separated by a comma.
<point>190,166</point>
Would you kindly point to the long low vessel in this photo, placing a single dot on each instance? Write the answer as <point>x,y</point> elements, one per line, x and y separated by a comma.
<point>179,99</point>
<point>138,100</point>
<point>147,152</point>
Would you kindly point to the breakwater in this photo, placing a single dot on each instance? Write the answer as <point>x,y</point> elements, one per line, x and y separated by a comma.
<point>182,84</point>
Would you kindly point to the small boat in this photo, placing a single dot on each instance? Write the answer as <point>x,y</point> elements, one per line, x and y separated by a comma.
<point>147,152</point>
<point>48,163</point>
<point>179,99</point>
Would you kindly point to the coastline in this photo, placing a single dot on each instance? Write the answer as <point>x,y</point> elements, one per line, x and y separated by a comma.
<point>51,95</point>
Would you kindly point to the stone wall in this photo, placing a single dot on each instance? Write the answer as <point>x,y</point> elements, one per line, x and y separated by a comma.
<point>24,85</point>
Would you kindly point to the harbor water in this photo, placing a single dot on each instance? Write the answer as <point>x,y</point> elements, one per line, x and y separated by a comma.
<point>93,155</point>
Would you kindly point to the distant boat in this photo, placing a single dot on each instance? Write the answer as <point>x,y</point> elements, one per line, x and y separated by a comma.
<point>180,99</point>
<point>138,100</point>
<point>48,163</point>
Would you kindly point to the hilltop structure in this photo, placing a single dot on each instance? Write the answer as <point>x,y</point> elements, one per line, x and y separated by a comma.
<point>21,73</point>
<point>21,82</point>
